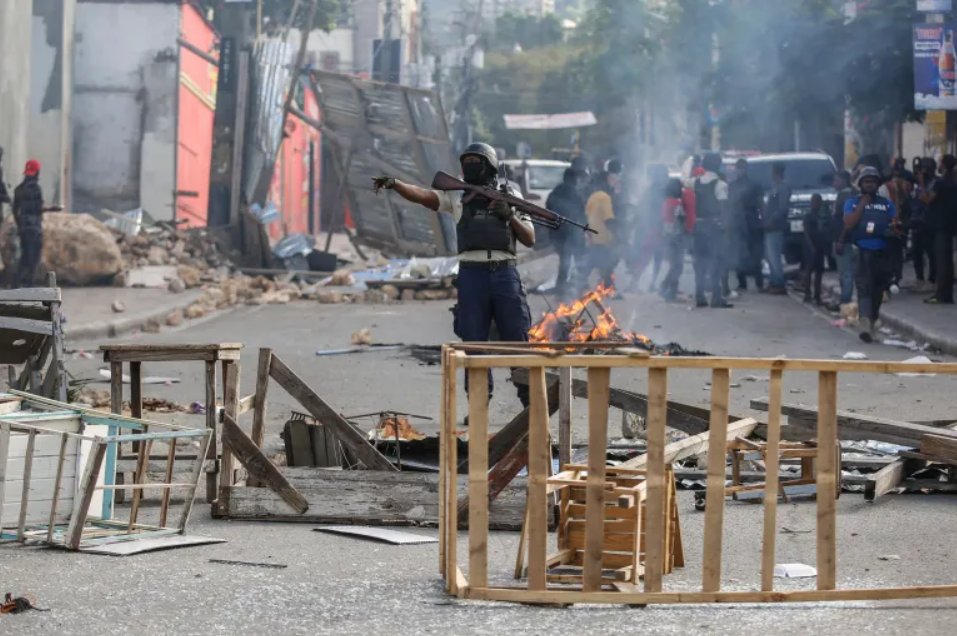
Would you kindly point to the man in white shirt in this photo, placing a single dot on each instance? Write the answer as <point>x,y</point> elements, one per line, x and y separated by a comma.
<point>489,285</point>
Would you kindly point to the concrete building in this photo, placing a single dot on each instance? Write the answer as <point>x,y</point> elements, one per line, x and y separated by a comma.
<point>352,45</point>
<point>142,108</point>
<point>15,35</point>
<point>51,96</point>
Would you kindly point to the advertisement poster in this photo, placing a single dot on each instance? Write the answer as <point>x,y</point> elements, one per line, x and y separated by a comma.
<point>935,6</point>
<point>935,67</point>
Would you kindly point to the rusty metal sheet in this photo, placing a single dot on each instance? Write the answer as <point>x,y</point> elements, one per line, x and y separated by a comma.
<point>378,128</point>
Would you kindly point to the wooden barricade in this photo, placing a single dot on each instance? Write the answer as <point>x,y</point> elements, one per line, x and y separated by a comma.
<point>537,359</point>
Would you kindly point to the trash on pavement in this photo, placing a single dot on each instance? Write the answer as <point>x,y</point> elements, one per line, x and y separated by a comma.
<point>150,379</point>
<point>794,571</point>
<point>917,360</point>
<point>254,564</point>
<point>855,355</point>
<point>382,535</point>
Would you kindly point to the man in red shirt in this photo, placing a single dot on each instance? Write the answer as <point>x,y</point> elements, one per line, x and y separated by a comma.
<point>678,218</point>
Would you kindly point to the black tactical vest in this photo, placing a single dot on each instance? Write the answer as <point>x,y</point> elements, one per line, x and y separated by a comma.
<point>479,229</point>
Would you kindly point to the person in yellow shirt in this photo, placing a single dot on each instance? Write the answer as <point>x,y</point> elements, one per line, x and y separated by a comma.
<point>600,210</point>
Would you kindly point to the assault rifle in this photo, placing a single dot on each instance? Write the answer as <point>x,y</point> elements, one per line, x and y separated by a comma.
<point>540,216</point>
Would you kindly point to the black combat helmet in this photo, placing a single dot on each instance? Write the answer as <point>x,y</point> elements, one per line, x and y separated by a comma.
<point>482,150</point>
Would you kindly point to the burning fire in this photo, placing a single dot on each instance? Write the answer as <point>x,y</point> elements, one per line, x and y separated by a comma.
<point>575,322</point>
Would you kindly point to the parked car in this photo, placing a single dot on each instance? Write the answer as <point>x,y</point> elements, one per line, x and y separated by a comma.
<point>537,177</point>
<point>807,173</point>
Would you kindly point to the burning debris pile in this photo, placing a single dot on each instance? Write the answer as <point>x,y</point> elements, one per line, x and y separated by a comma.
<point>589,319</point>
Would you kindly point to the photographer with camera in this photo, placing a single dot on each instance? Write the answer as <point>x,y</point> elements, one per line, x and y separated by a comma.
<point>869,222</point>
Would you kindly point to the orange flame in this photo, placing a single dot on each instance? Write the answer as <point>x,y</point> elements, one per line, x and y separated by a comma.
<point>572,323</point>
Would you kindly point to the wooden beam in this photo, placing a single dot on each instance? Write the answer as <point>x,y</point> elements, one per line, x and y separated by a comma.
<point>717,460</point>
<point>771,463</point>
<point>317,407</point>
<point>827,470</point>
<point>856,426</point>
<point>598,387</point>
<point>655,506</point>
<point>694,445</point>
<point>939,446</point>
<point>259,465</point>
<point>564,417</point>
<point>81,508</point>
<point>478,478</point>
<point>885,480</point>
<point>538,459</point>
<point>259,400</point>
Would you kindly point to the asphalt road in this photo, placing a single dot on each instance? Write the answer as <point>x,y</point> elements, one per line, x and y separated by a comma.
<point>346,586</point>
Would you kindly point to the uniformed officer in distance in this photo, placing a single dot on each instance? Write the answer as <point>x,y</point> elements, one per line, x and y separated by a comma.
<point>489,284</point>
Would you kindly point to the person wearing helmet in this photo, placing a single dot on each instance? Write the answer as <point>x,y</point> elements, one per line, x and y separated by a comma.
<point>868,222</point>
<point>28,214</point>
<point>489,285</point>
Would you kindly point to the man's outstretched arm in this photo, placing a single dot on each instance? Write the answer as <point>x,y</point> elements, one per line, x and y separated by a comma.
<point>409,192</point>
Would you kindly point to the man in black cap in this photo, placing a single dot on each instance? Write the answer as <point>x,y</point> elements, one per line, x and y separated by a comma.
<point>489,285</point>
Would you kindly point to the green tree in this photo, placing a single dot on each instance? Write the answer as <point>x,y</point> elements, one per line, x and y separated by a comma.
<point>526,31</point>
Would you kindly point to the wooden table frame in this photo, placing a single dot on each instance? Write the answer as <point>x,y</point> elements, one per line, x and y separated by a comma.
<point>537,360</point>
<point>136,354</point>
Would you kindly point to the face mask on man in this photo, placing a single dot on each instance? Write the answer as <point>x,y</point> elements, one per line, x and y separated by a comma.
<point>474,173</point>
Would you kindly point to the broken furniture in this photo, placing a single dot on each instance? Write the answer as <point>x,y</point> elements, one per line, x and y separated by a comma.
<point>378,494</point>
<point>135,355</point>
<point>57,467</point>
<point>31,334</point>
<point>537,359</point>
<point>624,519</point>
<point>806,452</point>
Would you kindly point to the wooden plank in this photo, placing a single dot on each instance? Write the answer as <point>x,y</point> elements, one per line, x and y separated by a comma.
<point>139,478</point>
<point>478,478</point>
<point>143,348</point>
<point>772,466</point>
<point>27,325</point>
<point>564,416</point>
<point>25,496</point>
<point>259,465</point>
<point>598,388</point>
<point>444,434</point>
<point>230,371</point>
<point>298,444</point>
<point>136,390</point>
<point>57,483</point>
<point>856,426</point>
<point>885,480</point>
<point>655,506</point>
<point>717,460</point>
<point>827,481</point>
<point>116,387</point>
<point>259,401</point>
<point>538,460</point>
<point>4,453</point>
<point>692,362</point>
<point>694,445</point>
<point>31,295</point>
<point>167,492</point>
<point>350,437</point>
<point>81,508</point>
<point>451,477</point>
<point>939,446</point>
<point>211,453</point>
<point>197,473</point>
<point>369,497</point>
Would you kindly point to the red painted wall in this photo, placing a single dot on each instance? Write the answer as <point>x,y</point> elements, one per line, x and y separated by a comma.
<point>197,103</point>
<point>290,182</point>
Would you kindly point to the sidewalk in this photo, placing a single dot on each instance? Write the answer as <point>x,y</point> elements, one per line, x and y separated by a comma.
<point>908,314</point>
<point>89,310</point>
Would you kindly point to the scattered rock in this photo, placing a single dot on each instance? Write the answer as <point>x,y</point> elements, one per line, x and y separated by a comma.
<point>189,275</point>
<point>177,286</point>
<point>194,311</point>
<point>96,398</point>
<point>376,297</point>
<point>431,294</point>
<point>341,278</point>
<point>80,249</point>
<point>118,307</point>
<point>407,294</point>
<point>173,319</point>
<point>277,297</point>
<point>120,279</point>
<point>391,291</point>
<point>157,255</point>
<point>329,297</point>
<point>151,326</point>
<point>362,337</point>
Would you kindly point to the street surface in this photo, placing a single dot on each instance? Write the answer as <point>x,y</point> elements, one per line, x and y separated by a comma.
<point>347,586</point>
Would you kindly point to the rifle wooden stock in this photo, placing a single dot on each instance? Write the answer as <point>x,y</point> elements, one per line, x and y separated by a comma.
<point>447,183</point>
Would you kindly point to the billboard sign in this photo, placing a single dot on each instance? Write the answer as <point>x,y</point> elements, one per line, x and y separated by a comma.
<point>935,67</point>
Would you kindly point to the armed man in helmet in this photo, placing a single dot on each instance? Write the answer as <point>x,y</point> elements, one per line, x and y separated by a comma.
<point>489,285</point>
<point>870,220</point>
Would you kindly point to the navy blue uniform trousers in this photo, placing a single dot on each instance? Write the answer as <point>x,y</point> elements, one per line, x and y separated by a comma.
<point>486,294</point>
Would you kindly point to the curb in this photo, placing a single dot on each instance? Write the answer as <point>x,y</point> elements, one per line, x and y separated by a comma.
<point>120,326</point>
<point>906,328</point>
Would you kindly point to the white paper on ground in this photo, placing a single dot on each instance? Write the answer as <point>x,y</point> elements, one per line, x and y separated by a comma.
<point>385,535</point>
<point>917,360</point>
<point>149,379</point>
<point>855,355</point>
<point>794,571</point>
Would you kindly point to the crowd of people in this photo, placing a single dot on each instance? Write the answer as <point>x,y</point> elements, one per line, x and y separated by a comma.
<point>732,227</point>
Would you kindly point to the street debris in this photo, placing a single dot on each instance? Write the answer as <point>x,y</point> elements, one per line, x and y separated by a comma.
<point>917,360</point>
<point>381,535</point>
<point>889,557</point>
<point>794,571</point>
<point>360,349</point>
<point>855,355</point>
<point>362,337</point>
<point>118,307</point>
<point>254,564</point>
<point>149,379</point>
<point>787,530</point>
<point>19,604</point>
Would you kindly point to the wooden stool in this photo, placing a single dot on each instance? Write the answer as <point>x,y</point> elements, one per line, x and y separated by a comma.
<point>806,452</point>
<point>210,354</point>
